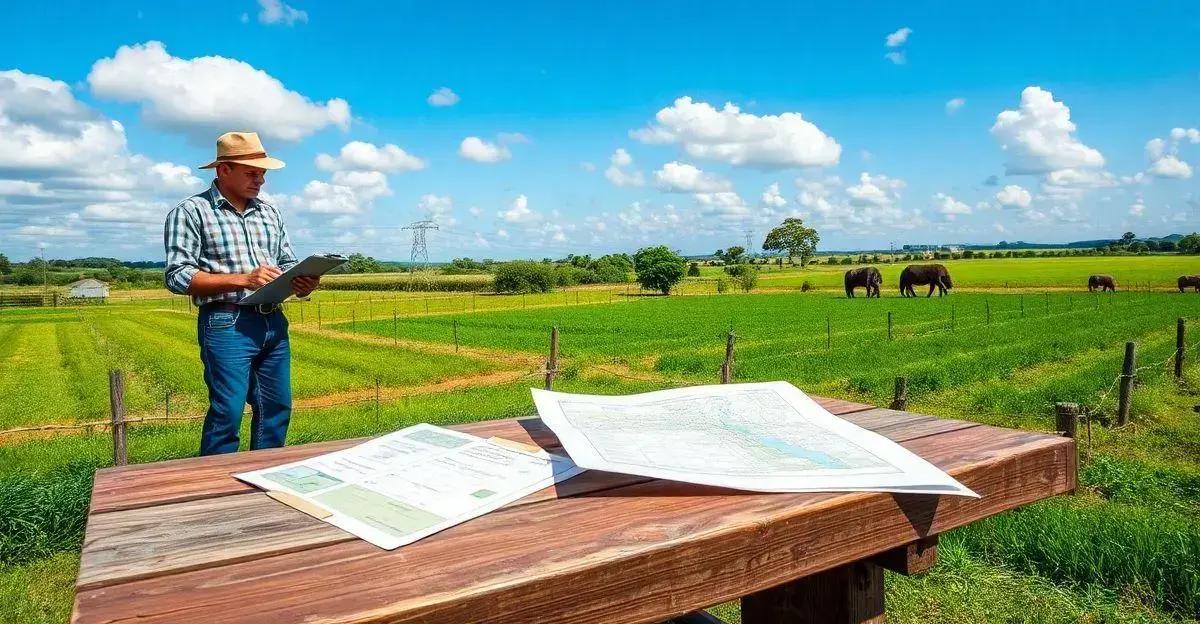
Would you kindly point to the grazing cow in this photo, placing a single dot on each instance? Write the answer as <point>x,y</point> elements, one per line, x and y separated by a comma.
<point>1189,281</point>
<point>867,277</point>
<point>1103,282</point>
<point>935,275</point>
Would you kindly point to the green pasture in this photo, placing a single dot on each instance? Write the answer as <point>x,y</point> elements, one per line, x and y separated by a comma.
<point>1130,272</point>
<point>1126,549</point>
<point>54,366</point>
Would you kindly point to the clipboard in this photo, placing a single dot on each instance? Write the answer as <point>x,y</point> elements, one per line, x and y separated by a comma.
<point>280,288</point>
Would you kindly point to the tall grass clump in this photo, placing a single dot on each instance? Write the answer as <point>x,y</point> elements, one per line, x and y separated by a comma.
<point>1132,549</point>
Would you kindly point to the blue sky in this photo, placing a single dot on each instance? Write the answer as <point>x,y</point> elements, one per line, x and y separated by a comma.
<point>876,123</point>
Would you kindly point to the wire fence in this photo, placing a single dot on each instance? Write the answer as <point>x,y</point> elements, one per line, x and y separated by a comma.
<point>1124,382</point>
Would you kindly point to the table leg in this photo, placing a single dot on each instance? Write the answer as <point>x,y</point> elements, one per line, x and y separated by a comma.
<point>850,594</point>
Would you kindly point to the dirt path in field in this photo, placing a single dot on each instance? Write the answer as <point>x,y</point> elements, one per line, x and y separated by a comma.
<point>507,358</point>
<point>389,393</point>
<point>481,380</point>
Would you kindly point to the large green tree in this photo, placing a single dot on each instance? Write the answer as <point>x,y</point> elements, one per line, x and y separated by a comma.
<point>795,238</point>
<point>1189,244</point>
<point>658,268</point>
<point>5,265</point>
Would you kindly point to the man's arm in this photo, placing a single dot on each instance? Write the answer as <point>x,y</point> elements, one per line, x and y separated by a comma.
<point>183,276</point>
<point>304,285</point>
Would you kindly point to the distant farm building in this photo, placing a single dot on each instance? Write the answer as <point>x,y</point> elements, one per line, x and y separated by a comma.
<point>88,289</point>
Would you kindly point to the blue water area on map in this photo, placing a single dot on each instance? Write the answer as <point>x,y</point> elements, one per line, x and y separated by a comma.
<point>817,457</point>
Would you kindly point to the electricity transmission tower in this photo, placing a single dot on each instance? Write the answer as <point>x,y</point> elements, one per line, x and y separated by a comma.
<point>750,243</point>
<point>420,251</point>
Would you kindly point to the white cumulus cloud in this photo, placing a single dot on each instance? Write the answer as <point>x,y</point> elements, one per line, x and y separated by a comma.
<point>442,97</point>
<point>1013,196</point>
<point>619,171</point>
<point>519,211</point>
<point>207,95</point>
<point>878,190</point>
<point>677,177</point>
<point>898,38</point>
<point>358,155</point>
<point>949,207</point>
<point>1039,136</point>
<point>1163,154</point>
<point>478,150</point>
<point>771,196</point>
<point>731,136</point>
<point>276,12</point>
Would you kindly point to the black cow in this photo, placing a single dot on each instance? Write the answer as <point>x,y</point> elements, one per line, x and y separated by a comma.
<point>866,277</point>
<point>935,275</point>
<point>1103,282</point>
<point>1189,281</point>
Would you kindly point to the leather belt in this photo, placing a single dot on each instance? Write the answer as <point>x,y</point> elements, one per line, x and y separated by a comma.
<point>262,308</point>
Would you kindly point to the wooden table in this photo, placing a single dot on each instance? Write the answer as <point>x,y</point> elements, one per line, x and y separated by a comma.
<point>182,541</point>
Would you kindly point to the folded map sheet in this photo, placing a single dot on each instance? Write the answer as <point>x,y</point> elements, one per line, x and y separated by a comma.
<point>401,487</point>
<point>762,437</point>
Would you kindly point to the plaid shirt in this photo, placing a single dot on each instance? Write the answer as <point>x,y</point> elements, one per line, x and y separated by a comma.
<point>206,233</point>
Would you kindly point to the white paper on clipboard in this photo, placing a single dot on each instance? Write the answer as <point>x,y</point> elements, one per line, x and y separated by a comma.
<point>280,288</point>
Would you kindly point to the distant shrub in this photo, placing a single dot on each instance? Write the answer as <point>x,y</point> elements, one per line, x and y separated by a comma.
<point>568,275</point>
<point>744,275</point>
<point>693,270</point>
<point>524,276</point>
<point>722,285</point>
<point>806,286</point>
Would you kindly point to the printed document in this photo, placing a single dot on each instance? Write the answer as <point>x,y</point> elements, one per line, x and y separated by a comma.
<point>762,437</point>
<point>396,489</point>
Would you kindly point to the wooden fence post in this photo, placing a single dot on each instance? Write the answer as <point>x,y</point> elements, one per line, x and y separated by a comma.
<point>376,402</point>
<point>1066,418</point>
<point>900,397</point>
<point>1126,396</point>
<point>1179,347</point>
<point>727,365</point>
<point>116,398</point>
<point>889,324</point>
<point>552,362</point>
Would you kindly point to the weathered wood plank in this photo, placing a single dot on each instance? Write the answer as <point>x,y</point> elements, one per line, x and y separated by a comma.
<point>847,594</point>
<point>130,544</point>
<point>641,553</point>
<point>142,485</point>
<point>166,539</point>
<point>915,558</point>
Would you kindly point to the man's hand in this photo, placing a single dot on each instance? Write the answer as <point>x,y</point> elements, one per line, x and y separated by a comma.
<point>261,276</point>
<point>304,285</point>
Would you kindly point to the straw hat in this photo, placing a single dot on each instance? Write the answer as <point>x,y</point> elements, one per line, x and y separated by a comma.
<point>243,148</point>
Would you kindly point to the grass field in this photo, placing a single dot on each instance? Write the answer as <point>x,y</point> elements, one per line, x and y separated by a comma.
<point>1127,549</point>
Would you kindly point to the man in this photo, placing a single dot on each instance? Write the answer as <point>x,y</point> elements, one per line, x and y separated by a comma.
<point>221,245</point>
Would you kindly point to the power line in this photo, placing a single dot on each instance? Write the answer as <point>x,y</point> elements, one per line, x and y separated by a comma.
<point>420,251</point>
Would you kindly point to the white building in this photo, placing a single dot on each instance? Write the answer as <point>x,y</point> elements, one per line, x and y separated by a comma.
<point>88,289</point>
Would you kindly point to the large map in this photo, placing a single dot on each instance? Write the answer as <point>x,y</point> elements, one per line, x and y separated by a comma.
<point>763,437</point>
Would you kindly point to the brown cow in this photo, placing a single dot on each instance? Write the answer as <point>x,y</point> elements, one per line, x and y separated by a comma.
<point>867,277</point>
<point>1103,282</point>
<point>935,275</point>
<point>1189,281</point>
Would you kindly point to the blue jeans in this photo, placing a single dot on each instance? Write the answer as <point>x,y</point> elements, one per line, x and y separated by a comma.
<point>247,359</point>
